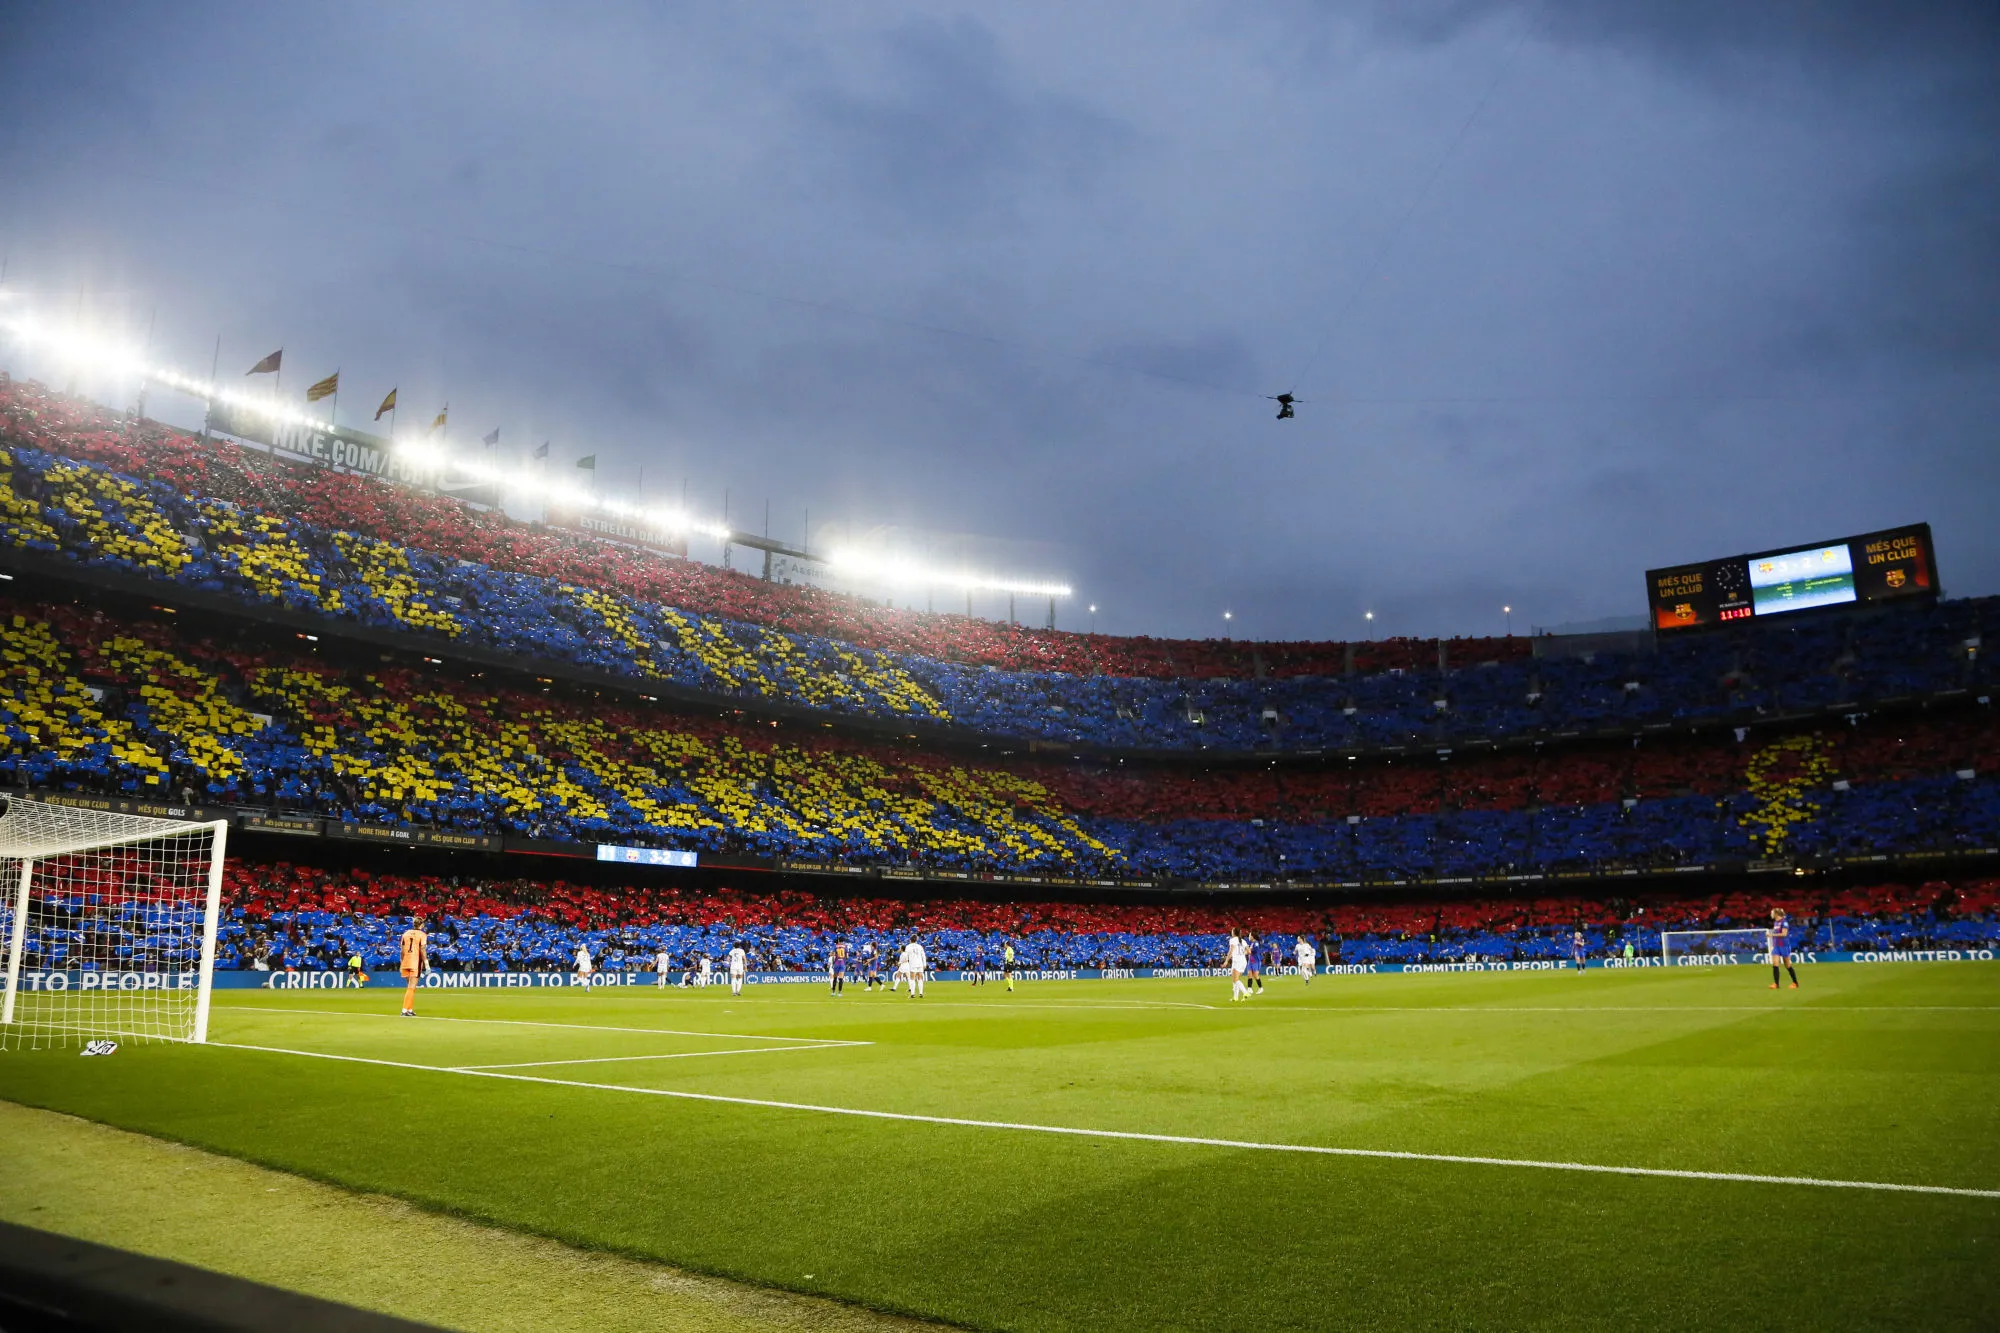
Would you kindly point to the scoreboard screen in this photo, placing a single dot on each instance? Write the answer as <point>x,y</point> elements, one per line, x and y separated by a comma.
<point>1875,567</point>
<point>1801,580</point>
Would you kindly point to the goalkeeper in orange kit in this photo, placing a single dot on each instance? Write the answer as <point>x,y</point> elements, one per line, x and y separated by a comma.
<point>416,962</point>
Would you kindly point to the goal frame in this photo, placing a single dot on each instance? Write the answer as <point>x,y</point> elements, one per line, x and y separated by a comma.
<point>1666,949</point>
<point>22,893</point>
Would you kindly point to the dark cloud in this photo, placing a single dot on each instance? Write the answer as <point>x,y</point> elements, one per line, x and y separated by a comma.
<point>1818,33</point>
<point>937,127</point>
<point>1571,288</point>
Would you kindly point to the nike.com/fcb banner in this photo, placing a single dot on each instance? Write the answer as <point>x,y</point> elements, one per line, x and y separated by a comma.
<point>328,446</point>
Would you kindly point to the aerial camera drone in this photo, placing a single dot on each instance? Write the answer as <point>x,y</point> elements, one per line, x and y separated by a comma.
<point>1284,402</point>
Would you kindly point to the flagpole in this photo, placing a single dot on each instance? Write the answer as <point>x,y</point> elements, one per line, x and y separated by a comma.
<point>214,370</point>
<point>145,360</point>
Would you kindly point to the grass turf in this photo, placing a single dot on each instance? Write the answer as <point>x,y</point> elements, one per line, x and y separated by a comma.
<point>1869,1074</point>
<point>105,1185</point>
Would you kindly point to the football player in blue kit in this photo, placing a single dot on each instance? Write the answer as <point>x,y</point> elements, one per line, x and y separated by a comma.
<point>1780,936</point>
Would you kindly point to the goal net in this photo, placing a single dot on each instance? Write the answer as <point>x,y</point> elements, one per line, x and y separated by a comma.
<point>1696,947</point>
<point>110,925</point>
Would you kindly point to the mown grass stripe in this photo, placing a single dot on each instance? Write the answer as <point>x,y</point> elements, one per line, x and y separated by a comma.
<point>1251,1145</point>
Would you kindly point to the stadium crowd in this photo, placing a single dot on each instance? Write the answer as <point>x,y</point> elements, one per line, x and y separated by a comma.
<point>283,915</point>
<point>220,715</point>
<point>136,498</point>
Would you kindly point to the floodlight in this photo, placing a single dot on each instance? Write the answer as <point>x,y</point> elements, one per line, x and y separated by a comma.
<point>901,570</point>
<point>75,345</point>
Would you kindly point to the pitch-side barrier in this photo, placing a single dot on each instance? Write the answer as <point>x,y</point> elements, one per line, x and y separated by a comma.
<point>545,980</point>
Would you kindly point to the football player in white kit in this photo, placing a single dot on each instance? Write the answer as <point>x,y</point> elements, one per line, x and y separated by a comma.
<point>1308,957</point>
<point>902,968</point>
<point>739,963</point>
<point>1239,962</point>
<point>663,963</point>
<point>583,967</point>
<point>915,962</point>
<point>704,971</point>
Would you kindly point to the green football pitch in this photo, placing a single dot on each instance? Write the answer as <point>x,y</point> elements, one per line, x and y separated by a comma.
<point>1689,1149</point>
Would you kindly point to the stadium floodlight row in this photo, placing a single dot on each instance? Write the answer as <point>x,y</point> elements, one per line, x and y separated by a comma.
<point>357,488</point>
<point>429,458</point>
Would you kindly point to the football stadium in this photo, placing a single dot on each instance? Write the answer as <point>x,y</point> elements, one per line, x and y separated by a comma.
<point>443,891</point>
<point>669,831</point>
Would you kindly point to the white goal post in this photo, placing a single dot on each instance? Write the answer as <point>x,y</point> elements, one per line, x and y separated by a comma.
<point>1694,946</point>
<point>111,925</point>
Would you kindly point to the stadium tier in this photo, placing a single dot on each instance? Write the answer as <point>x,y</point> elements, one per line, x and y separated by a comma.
<point>31,415</point>
<point>135,500</point>
<point>283,915</point>
<point>226,713</point>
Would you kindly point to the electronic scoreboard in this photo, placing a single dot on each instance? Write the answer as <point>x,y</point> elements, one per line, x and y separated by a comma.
<point>1876,567</point>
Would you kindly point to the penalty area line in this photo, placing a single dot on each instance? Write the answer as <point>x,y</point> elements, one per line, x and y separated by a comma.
<point>1134,1136</point>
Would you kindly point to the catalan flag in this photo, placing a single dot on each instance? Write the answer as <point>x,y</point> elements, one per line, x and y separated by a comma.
<point>269,365</point>
<point>325,388</point>
<point>438,424</point>
<point>388,405</point>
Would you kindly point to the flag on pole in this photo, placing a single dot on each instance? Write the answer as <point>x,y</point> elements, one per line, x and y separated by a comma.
<point>588,464</point>
<point>492,437</point>
<point>326,388</point>
<point>438,424</point>
<point>269,365</point>
<point>543,452</point>
<point>388,405</point>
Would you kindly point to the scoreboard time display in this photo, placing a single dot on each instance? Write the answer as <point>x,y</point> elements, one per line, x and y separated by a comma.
<point>1876,567</point>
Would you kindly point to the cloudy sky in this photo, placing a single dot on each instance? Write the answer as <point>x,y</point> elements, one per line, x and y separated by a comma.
<point>1569,288</point>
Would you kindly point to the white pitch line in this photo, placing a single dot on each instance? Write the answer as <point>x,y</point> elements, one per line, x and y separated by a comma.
<point>999,1005</point>
<point>1012,1004</point>
<point>525,1023</point>
<point>671,1055</point>
<point>1636,1009</point>
<point>1250,1145</point>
